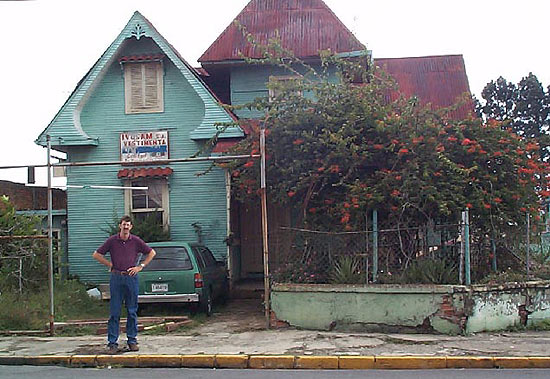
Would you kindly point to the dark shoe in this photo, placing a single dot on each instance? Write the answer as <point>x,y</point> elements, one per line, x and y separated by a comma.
<point>112,349</point>
<point>133,347</point>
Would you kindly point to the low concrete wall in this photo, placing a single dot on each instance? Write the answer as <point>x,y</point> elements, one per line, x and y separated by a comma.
<point>428,308</point>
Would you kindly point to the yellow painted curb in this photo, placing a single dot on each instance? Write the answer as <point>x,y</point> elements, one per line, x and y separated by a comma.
<point>117,360</point>
<point>271,361</point>
<point>409,362</point>
<point>158,360</point>
<point>512,362</point>
<point>198,360</point>
<point>83,361</point>
<point>539,362</point>
<point>323,362</point>
<point>231,361</point>
<point>470,362</point>
<point>13,360</point>
<point>355,362</point>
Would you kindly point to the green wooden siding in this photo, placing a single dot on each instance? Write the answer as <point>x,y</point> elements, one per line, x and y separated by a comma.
<point>193,198</point>
<point>250,82</point>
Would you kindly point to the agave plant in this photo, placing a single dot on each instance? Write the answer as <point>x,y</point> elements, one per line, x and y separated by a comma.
<point>346,271</point>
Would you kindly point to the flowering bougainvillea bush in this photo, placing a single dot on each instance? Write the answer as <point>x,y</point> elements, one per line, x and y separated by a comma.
<point>339,148</point>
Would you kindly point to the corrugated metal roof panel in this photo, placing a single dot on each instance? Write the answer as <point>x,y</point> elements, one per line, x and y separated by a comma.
<point>438,80</point>
<point>303,26</point>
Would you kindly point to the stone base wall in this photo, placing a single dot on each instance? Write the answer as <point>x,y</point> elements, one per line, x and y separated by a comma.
<point>446,309</point>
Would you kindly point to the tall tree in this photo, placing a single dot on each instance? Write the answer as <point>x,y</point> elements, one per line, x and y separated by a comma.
<point>524,108</point>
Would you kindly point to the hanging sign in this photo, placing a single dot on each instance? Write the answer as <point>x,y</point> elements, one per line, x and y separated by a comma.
<point>144,146</point>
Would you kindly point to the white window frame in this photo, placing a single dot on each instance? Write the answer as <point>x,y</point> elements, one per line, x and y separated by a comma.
<point>282,78</point>
<point>165,200</point>
<point>140,85</point>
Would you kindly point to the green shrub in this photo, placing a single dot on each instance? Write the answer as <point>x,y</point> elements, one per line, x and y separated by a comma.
<point>430,271</point>
<point>346,270</point>
<point>148,228</point>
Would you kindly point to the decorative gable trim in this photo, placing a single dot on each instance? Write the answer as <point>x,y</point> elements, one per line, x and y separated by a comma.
<point>66,129</point>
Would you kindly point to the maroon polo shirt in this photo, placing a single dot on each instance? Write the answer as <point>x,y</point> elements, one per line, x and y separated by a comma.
<point>124,254</point>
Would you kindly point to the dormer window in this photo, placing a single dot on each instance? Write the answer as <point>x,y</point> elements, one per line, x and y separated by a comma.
<point>143,84</point>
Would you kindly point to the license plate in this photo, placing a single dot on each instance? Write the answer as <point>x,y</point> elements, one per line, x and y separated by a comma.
<point>159,287</point>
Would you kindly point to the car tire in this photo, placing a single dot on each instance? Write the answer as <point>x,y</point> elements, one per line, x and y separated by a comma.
<point>206,303</point>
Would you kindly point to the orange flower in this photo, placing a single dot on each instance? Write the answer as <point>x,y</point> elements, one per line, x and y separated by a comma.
<point>497,200</point>
<point>345,218</point>
<point>249,164</point>
<point>298,141</point>
<point>334,168</point>
<point>403,151</point>
<point>469,205</point>
<point>487,206</point>
<point>452,139</point>
<point>395,193</point>
<point>291,193</point>
<point>378,146</point>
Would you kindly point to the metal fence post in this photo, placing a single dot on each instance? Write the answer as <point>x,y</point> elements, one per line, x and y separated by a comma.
<point>494,250</point>
<point>367,248</point>
<point>528,244</point>
<point>374,245</point>
<point>465,248</point>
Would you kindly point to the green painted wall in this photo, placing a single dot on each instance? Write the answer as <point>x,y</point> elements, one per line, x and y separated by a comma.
<point>248,82</point>
<point>192,199</point>
<point>444,309</point>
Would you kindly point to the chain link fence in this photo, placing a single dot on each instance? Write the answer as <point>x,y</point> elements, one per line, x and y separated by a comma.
<point>431,254</point>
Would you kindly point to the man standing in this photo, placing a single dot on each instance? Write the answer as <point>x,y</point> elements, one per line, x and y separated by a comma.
<point>124,249</point>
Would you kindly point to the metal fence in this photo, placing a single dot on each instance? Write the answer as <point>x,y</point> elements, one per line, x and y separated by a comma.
<point>428,253</point>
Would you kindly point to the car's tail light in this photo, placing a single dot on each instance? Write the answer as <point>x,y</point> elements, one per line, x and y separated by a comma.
<point>198,280</point>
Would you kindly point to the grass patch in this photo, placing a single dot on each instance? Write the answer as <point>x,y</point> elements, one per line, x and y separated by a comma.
<point>31,310</point>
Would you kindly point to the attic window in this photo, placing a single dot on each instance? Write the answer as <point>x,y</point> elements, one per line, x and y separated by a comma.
<point>143,84</point>
<point>284,85</point>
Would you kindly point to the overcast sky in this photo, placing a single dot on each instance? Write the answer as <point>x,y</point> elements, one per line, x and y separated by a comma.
<point>47,46</point>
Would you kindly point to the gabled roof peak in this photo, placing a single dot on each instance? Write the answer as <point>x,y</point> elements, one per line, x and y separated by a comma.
<point>303,26</point>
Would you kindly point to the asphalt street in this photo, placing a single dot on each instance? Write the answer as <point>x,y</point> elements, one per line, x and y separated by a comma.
<point>49,372</point>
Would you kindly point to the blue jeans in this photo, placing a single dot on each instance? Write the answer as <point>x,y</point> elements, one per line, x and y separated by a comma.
<point>123,287</point>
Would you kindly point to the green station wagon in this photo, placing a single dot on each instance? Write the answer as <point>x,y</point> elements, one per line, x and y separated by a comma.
<point>183,273</point>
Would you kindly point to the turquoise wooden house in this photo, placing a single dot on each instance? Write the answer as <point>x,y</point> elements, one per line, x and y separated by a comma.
<point>140,103</point>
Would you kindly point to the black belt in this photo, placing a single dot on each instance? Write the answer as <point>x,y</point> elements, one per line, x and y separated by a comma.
<point>120,272</point>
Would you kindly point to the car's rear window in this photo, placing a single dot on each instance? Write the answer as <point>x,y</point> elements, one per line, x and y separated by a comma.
<point>170,258</point>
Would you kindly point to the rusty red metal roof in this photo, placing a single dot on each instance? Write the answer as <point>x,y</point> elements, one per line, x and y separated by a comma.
<point>303,26</point>
<point>150,172</point>
<point>439,80</point>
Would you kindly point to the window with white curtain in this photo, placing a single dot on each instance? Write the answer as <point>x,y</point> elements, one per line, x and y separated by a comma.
<point>153,201</point>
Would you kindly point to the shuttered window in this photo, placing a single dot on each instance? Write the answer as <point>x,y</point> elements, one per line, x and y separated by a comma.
<point>143,83</point>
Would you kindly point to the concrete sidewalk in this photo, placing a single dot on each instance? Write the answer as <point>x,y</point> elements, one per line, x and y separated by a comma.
<point>238,338</point>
